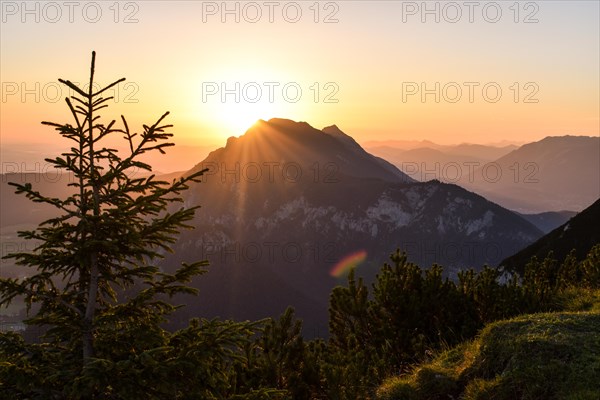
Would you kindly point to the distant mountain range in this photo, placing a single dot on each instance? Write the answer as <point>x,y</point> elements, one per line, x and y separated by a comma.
<point>581,233</point>
<point>553,174</point>
<point>548,221</point>
<point>425,160</point>
<point>425,163</point>
<point>481,151</point>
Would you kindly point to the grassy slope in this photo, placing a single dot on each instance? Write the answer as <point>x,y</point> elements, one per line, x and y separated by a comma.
<point>541,356</point>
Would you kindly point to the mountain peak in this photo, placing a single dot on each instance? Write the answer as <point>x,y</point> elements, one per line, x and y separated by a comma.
<point>333,130</point>
<point>286,142</point>
<point>284,123</point>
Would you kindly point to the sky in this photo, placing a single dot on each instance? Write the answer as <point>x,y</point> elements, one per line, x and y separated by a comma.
<point>449,72</point>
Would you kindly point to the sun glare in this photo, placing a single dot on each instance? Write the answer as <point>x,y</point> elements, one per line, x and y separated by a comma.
<point>236,118</point>
<point>236,98</point>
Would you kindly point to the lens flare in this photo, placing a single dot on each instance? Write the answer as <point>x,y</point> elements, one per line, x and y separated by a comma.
<point>347,263</point>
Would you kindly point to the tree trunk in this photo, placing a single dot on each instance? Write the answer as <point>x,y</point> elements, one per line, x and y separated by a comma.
<point>90,310</point>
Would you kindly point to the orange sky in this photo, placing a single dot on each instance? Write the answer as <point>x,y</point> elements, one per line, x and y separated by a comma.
<point>362,65</point>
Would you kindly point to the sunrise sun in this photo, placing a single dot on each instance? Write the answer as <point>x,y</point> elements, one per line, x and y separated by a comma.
<point>236,118</point>
<point>235,98</point>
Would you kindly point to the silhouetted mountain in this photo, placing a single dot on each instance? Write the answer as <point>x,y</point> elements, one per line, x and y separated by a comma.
<point>548,221</point>
<point>282,204</point>
<point>580,232</point>
<point>470,150</point>
<point>463,150</point>
<point>425,164</point>
<point>486,152</point>
<point>556,173</point>
<point>296,147</point>
<point>400,144</point>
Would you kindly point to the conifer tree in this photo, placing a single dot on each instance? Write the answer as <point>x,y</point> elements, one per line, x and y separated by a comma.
<point>95,285</point>
<point>109,232</point>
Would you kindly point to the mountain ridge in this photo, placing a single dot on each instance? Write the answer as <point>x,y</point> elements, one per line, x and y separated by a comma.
<point>579,232</point>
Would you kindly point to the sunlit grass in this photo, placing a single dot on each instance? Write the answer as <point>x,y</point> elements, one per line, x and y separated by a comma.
<point>539,356</point>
